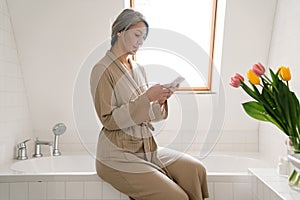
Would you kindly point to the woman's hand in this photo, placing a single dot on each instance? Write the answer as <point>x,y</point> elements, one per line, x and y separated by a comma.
<point>158,93</point>
<point>169,94</point>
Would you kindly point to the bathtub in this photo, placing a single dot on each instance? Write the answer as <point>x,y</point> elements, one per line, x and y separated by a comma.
<point>74,177</point>
<point>233,164</point>
<point>84,164</point>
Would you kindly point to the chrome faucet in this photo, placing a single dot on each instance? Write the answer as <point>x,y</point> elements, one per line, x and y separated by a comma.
<point>22,150</point>
<point>37,147</point>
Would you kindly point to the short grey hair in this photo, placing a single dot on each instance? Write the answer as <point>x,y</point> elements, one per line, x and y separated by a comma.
<point>124,21</point>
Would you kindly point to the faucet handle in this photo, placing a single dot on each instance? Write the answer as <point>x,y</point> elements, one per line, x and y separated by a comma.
<point>22,144</point>
<point>22,151</point>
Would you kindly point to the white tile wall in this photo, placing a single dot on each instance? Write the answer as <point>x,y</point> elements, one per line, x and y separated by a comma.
<point>59,190</point>
<point>37,190</point>
<point>93,190</point>
<point>75,190</point>
<point>4,191</point>
<point>284,50</point>
<point>211,189</point>
<point>223,191</point>
<point>18,191</point>
<point>229,141</point>
<point>242,191</point>
<point>15,124</point>
<point>56,190</point>
<point>232,187</point>
<point>109,192</point>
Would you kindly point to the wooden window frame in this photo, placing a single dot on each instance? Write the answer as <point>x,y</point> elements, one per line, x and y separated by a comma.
<point>208,87</point>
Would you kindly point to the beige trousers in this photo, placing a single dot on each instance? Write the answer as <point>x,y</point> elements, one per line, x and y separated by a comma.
<point>189,181</point>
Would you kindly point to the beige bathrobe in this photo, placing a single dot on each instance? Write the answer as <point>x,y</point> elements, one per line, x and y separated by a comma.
<point>125,112</point>
<point>127,150</point>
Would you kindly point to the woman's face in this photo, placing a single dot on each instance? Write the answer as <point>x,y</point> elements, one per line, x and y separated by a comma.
<point>133,38</point>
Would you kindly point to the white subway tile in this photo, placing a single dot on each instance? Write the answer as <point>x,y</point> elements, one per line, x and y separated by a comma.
<point>56,190</point>
<point>266,193</point>
<point>2,21</point>
<point>108,192</point>
<point>242,191</point>
<point>224,147</point>
<point>251,147</point>
<point>254,184</point>
<point>211,191</point>
<point>252,138</point>
<point>3,35</point>
<point>14,109</point>
<point>3,7</point>
<point>5,22</point>
<point>260,189</point>
<point>4,191</point>
<point>74,190</point>
<point>37,190</point>
<point>223,191</point>
<point>19,191</point>
<point>93,190</point>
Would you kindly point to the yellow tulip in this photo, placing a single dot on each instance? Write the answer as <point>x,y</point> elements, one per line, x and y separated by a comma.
<point>284,73</point>
<point>253,78</point>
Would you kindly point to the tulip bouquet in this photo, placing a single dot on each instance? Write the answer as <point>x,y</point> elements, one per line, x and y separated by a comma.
<point>273,100</point>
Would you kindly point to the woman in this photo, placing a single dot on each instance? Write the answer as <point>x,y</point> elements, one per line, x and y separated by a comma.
<point>127,154</point>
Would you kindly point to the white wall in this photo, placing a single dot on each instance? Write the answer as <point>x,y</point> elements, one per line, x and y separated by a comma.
<point>15,121</point>
<point>284,50</point>
<point>247,35</point>
<point>55,36</point>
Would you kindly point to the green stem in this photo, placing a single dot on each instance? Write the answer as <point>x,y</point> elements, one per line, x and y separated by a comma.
<point>267,78</point>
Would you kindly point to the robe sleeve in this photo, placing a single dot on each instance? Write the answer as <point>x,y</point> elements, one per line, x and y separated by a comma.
<point>159,112</point>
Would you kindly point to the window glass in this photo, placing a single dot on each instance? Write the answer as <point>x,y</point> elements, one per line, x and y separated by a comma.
<point>194,21</point>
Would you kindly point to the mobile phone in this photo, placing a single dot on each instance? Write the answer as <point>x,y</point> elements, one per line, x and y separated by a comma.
<point>174,84</point>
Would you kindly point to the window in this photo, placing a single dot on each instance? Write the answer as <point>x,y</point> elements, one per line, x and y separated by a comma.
<point>181,41</point>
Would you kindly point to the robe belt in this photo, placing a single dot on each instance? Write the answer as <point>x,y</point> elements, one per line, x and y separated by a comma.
<point>149,125</point>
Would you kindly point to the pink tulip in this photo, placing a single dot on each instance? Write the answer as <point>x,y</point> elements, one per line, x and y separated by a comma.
<point>236,80</point>
<point>237,75</point>
<point>258,69</point>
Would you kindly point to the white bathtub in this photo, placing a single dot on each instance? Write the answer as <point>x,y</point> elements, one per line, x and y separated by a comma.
<point>71,177</point>
<point>232,164</point>
<point>84,164</point>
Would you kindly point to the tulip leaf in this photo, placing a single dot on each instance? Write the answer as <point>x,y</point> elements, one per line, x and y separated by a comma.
<point>275,78</point>
<point>257,111</point>
<point>267,95</point>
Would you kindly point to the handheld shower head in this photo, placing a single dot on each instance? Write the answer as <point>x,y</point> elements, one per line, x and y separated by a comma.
<point>59,129</point>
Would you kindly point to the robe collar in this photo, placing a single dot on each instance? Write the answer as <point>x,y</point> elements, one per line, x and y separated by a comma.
<point>127,74</point>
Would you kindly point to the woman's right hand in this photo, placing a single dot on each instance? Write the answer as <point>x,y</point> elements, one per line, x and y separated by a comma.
<point>158,93</point>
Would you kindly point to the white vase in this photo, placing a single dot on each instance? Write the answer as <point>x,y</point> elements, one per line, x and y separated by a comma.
<point>295,160</point>
<point>294,178</point>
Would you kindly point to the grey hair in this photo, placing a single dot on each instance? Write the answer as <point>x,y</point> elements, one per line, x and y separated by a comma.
<point>124,21</point>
